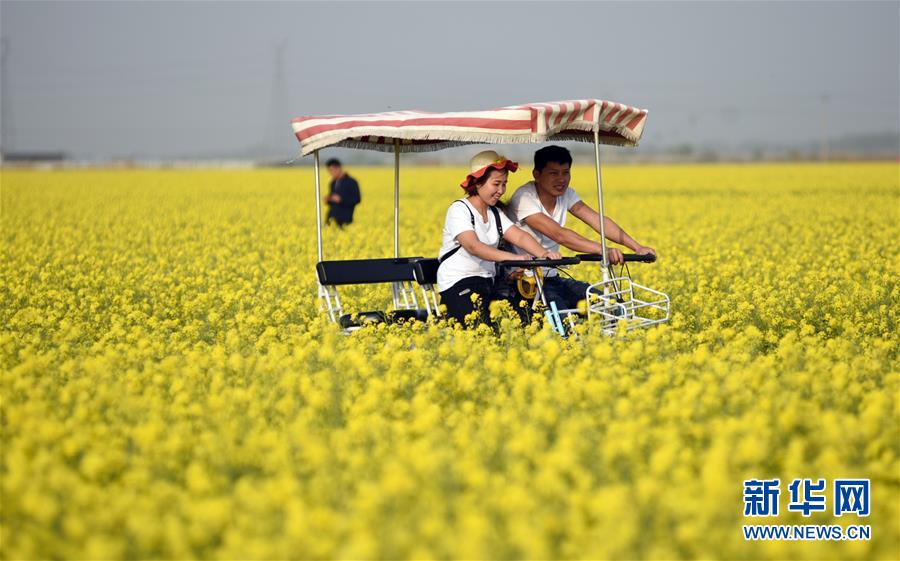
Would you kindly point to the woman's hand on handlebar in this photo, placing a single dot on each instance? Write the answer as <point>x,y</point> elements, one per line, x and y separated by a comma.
<point>550,255</point>
<point>517,257</point>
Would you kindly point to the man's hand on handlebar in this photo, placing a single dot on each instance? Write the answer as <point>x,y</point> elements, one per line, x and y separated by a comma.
<point>550,255</point>
<point>644,250</point>
<point>614,256</point>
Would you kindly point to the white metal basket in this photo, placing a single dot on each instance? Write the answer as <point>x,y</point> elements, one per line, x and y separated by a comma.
<point>619,300</point>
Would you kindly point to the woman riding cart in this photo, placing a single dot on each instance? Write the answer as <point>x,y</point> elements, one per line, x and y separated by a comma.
<point>613,300</point>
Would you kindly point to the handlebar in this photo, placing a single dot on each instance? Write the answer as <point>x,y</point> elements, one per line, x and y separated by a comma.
<point>532,263</point>
<point>581,257</point>
<point>629,257</point>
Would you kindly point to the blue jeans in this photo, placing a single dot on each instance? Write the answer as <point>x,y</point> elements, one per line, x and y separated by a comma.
<point>564,291</point>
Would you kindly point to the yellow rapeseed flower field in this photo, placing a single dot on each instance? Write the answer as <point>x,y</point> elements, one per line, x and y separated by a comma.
<point>169,389</point>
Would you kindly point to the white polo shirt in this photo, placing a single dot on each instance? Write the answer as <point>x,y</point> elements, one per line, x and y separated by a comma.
<point>525,202</point>
<point>463,264</point>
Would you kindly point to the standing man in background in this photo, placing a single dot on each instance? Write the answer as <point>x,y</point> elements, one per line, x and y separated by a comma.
<point>343,195</point>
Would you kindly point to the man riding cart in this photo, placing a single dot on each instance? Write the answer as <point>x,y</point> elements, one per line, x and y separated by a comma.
<point>614,299</point>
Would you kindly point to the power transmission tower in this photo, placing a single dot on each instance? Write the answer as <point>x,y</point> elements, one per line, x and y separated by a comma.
<point>277,125</point>
<point>823,142</point>
<point>6,125</point>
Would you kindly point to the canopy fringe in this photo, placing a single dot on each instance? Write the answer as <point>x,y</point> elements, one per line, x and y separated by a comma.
<point>449,140</point>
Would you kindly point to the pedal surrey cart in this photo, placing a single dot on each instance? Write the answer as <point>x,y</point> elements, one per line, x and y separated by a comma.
<point>612,300</point>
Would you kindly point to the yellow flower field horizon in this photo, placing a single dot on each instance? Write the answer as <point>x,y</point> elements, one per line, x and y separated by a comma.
<point>170,389</point>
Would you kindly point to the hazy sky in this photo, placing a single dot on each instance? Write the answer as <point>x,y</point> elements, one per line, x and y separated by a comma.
<point>199,78</point>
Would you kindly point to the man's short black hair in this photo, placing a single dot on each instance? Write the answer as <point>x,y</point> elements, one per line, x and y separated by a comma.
<point>547,154</point>
<point>333,162</point>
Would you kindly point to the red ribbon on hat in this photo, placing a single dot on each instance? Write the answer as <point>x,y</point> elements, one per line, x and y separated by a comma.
<point>499,163</point>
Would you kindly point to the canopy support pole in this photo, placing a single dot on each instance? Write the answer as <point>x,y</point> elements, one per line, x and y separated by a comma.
<point>605,262</point>
<point>396,198</point>
<point>318,205</point>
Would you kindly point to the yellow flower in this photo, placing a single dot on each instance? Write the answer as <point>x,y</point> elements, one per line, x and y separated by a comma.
<point>171,390</point>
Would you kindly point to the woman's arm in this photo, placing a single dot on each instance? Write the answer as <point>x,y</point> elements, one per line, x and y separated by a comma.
<point>470,242</point>
<point>520,238</point>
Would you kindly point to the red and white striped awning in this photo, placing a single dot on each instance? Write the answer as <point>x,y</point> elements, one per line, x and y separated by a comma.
<point>420,131</point>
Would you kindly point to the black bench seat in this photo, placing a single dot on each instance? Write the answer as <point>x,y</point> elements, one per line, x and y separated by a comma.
<point>366,271</point>
<point>377,271</point>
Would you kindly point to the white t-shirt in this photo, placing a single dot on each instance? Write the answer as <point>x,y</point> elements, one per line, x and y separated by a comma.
<point>525,202</point>
<point>463,264</point>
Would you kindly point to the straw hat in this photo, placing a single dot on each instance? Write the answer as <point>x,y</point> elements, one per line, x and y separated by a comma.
<point>482,162</point>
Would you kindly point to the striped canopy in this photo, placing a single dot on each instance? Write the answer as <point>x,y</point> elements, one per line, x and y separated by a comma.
<point>420,131</point>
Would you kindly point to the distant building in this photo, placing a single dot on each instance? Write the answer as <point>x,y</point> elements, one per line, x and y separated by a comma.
<point>33,157</point>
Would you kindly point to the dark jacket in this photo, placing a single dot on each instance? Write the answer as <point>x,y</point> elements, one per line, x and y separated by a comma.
<point>348,189</point>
